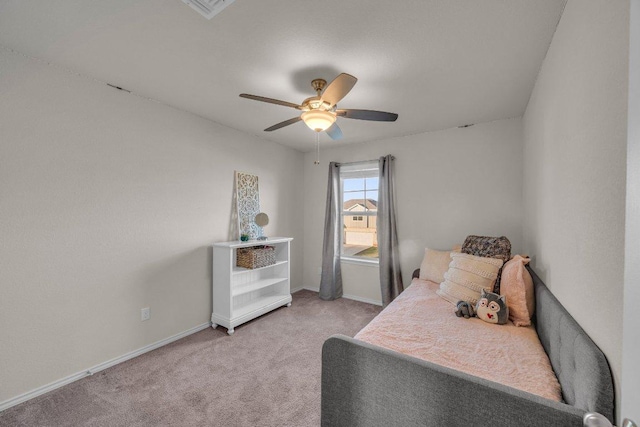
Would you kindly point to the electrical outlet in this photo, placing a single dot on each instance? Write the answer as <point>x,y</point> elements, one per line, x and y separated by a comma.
<point>145,314</point>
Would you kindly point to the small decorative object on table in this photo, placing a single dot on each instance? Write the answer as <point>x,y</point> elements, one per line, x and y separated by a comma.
<point>261,220</point>
<point>244,237</point>
<point>255,257</point>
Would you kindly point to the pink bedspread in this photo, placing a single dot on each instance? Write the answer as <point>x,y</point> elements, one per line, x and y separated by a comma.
<point>421,324</point>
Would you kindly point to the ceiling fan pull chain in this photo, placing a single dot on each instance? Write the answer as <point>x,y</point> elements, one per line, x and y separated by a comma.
<point>317,162</point>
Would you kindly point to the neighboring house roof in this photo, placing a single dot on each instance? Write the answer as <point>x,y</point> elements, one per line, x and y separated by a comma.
<point>370,204</point>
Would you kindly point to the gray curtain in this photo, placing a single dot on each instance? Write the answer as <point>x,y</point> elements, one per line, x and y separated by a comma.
<point>331,280</point>
<point>389,256</point>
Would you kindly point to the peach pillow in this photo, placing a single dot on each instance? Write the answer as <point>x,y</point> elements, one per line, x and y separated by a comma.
<point>467,276</point>
<point>435,264</point>
<point>517,286</point>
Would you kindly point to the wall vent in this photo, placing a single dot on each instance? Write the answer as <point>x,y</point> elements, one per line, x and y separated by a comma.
<point>208,8</point>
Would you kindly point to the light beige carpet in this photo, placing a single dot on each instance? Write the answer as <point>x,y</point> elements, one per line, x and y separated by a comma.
<point>266,374</point>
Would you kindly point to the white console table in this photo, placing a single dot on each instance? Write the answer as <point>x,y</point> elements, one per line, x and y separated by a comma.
<point>241,294</point>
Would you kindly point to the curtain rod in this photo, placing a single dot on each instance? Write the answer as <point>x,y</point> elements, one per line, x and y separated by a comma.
<point>361,161</point>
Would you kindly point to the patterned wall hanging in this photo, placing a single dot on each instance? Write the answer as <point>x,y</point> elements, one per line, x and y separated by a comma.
<point>248,204</point>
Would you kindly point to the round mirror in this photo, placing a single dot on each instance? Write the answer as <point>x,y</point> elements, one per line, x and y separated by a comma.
<point>262,219</point>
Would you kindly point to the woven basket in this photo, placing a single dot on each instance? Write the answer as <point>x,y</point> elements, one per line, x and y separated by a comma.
<point>255,257</point>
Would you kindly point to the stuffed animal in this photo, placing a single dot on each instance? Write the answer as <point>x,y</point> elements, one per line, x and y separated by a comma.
<point>465,309</point>
<point>492,308</point>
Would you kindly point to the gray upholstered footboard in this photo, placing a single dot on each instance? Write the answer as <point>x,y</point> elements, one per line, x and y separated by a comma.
<point>365,385</point>
<point>581,368</point>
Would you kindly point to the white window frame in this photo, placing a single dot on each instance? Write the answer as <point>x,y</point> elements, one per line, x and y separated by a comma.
<point>363,168</point>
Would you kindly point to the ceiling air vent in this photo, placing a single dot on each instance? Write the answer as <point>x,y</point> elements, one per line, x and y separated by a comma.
<point>208,8</point>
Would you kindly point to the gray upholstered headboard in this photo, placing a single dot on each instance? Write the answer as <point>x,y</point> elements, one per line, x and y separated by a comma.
<point>579,364</point>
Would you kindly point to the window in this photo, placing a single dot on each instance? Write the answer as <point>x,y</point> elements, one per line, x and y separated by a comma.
<point>359,194</point>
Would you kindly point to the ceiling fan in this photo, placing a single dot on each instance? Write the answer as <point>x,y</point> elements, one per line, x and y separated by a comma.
<point>321,111</point>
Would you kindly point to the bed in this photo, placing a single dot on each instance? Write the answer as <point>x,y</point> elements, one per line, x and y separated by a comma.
<point>372,382</point>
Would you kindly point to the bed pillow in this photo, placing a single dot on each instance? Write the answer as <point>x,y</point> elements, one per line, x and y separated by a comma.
<point>517,286</point>
<point>435,264</point>
<point>467,277</point>
<point>491,247</point>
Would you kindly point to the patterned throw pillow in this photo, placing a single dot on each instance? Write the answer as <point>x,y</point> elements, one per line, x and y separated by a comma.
<point>490,247</point>
<point>467,277</point>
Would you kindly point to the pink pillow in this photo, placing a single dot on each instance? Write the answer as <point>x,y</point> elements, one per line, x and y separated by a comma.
<point>517,286</point>
<point>435,264</point>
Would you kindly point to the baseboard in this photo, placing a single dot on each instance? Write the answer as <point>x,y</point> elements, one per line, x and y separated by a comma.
<point>299,288</point>
<point>347,296</point>
<point>109,363</point>
<point>357,298</point>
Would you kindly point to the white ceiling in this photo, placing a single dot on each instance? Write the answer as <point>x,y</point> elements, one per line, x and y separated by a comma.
<point>437,63</point>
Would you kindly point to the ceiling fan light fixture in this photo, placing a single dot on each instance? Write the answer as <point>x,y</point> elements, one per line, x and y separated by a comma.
<point>318,120</point>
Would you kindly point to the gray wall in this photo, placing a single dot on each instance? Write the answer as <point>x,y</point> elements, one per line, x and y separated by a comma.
<point>449,184</point>
<point>109,203</point>
<point>575,129</point>
<point>630,378</point>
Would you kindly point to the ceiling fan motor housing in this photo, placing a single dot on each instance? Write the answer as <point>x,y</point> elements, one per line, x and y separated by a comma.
<point>315,103</point>
<point>318,85</point>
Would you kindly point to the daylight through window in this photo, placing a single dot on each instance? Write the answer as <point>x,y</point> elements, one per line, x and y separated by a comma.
<point>359,188</point>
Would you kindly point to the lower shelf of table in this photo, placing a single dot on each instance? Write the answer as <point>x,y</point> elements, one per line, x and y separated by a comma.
<point>252,310</point>
<point>255,285</point>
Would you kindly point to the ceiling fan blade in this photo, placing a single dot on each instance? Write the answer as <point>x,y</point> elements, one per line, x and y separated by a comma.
<point>283,124</point>
<point>334,131</point>
<point>338,88</point>
<point>378,116</point>
<point>269,100</point>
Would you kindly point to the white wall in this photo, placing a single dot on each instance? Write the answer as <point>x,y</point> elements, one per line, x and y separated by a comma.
<point>449,184</point>
<point>575,168</point>
<point>630,378</point>
<point>109,203</point>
